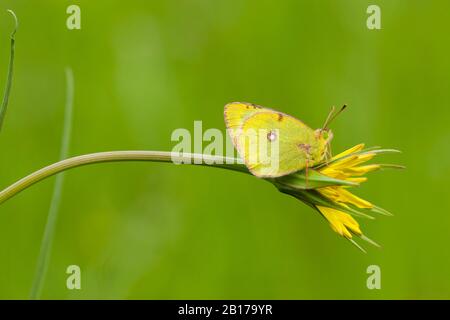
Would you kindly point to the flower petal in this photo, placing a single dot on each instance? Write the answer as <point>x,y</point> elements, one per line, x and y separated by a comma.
<point>356,148</point>
<point>341,222</point>
<point>359,171</point>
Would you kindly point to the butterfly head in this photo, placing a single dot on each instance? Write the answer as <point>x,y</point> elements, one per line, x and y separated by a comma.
<point>324,137</point>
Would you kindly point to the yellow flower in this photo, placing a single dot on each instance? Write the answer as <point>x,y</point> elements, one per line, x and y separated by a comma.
<point>346,166</point>
<point>326,188</point>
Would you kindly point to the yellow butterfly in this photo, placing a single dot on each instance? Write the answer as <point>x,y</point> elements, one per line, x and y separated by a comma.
<point>273,144</point>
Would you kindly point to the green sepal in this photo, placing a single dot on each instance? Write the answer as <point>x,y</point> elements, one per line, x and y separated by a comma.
<point>382,211</point>
<point>314,199</point>
<point>314,180</point>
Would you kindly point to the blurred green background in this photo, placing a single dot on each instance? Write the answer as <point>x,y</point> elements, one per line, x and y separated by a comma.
<point>145,68</point>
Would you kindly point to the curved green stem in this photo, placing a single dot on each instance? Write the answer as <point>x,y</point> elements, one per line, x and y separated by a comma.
<point>114,156</point>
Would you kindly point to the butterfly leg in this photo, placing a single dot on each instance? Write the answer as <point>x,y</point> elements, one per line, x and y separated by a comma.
<point>328,155</point>
<point>306,150</point>
<point>306,172</point>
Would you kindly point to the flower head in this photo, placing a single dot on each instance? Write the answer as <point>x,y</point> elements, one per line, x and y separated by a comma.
<point>326,189</point>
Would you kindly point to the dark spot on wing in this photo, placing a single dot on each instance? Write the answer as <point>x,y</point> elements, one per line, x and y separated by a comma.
<point>280,117</point>
<point>271,136</point>
<point>305,147</point>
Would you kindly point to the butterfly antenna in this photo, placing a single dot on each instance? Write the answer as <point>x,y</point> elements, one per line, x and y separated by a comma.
<point>327,120</point>
<point>332,115</point>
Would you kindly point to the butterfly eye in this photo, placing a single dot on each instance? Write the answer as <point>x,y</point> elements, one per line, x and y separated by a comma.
<point>271,136</point>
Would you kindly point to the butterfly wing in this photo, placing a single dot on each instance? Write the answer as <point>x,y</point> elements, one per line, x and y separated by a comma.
<point>235,114</point>
<point>271,143</point>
